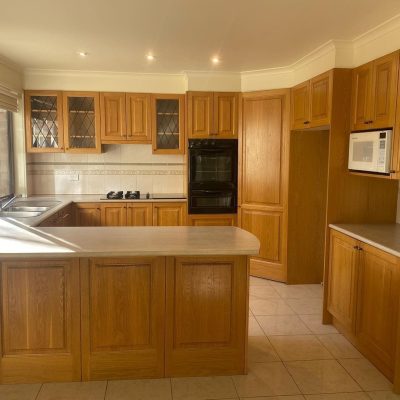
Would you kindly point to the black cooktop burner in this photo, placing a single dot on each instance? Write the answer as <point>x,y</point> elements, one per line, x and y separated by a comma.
<point>115,195</point>
<point>132,195</point>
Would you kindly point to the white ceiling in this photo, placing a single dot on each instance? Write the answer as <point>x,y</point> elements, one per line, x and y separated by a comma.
<point>183,34</point>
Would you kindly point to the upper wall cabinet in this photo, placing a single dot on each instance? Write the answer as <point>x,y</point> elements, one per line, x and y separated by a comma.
<point>312,102</point>
<point>374,90</point>
<point>62,121</point>
<point>168,123</point>
<point>43,121</point>
<point>125,118</point>
<point>212,114</point>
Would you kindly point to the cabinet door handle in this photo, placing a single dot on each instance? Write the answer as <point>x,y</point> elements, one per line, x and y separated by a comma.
<point>306,122</point>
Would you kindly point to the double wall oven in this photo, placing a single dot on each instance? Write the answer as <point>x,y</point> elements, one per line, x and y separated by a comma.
<point>213,176</point>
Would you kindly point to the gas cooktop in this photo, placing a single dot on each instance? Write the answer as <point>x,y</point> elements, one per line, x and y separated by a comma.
<point>136,195</point>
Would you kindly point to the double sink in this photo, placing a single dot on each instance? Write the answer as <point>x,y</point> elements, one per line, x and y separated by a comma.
<point>27,208</point>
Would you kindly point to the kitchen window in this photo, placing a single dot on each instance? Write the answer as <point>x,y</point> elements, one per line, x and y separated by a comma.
<point>6,154</point>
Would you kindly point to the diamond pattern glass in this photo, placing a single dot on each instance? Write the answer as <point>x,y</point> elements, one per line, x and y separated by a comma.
<point>167,123</point>
<point>81,123</point>
<point>44,122</point>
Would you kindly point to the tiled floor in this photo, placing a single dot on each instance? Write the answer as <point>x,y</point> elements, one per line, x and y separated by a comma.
<point>292,356</point>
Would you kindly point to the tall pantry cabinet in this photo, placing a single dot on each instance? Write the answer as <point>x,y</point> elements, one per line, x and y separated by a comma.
<point>264,140</point>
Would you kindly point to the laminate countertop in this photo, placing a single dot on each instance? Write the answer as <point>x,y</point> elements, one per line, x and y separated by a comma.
<point>20,241</point>
<point>385,237</point>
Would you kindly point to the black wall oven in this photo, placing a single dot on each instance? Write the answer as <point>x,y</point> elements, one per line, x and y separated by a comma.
<point>213,176</point>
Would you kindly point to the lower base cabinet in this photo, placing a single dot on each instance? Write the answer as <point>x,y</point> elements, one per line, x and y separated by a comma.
<point>123,318</point>
<point>169,214</point>
<point>363,297</point>
<point>212,220</point>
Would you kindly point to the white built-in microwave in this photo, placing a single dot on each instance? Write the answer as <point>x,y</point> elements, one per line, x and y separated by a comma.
<point>370,151</point>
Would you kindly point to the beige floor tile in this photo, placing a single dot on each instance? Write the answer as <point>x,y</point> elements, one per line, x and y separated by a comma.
<point>302,347</point>
<point>383,395</point>
<point>292,397</point>
<point>269,307</point>
<point>264,292</point>
<point>321,376</point>
<point>254,327</point>
<point>219,387</point>
<point>282,325</point>
<point>154,389</point>
<point>367,376</point>
<point>314,323</point>
<point>265,379</point>
<point>338,396</point>
<point>339,346</point>
<point>73,391</point>
<point>19,392</point>
<point>306,306</point>
<point>254,281</point>
<point>260,350</point>
<point>317,290</point>
<point>294,291</point>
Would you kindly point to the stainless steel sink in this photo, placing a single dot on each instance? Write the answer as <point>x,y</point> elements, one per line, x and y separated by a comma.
<point>26,208</point>
<point>20,214</point>
<point>35,203</point>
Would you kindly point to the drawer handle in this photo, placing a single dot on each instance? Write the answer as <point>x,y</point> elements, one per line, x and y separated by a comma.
<point>306,122</point>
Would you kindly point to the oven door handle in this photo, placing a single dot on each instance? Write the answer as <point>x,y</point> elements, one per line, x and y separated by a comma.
<point>211,191</point>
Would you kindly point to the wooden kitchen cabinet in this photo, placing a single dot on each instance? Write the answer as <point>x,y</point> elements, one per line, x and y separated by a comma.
<point>212,114</point>
<point>378,306</point>
<point>40,315</point>
<point>81,116</point>
<point>113,214</point>
<point>87,214</point>
<point>312,102</point>
<point>374,93</point>
<point>113,117</point>
<point>343,279</point>
<point>168,123</point>
<point>138,118</point>
<point>169,214</point>
<point>139,214</point>
<point>212,220</point>
<point>64,217</point>
<point>123,316</point>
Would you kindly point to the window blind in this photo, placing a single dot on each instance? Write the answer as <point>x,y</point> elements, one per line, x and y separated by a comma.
<point>8,99</point>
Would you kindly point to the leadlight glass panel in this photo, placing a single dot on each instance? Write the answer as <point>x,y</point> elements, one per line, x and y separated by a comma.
<point>167,123</point>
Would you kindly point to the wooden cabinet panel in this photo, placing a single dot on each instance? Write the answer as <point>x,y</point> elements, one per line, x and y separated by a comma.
<point>212,220</point>
<point>262,148</point>
<point>139,214</point>
<point>169,214</point>
<point>113,123</point>
<point>384,96</point>
<point>123,313</point>
<point>138,118</point>
<point>361,96</point>
<point>113,214</point>
<point>343,276</point>
<point>321,99</point>
<point>40,321</point>
<point>225,115</point>
<point>64,217</point>
<point>207,315</point>
<point>378,305</point>
<point>300,109</point>
<point>200,114</point>
<point>87,214</point>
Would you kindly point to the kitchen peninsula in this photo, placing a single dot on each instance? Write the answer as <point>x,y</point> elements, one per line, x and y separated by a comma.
<point>83,303</point>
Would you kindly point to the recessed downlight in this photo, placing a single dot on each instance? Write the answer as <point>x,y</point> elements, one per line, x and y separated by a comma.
<point>83,53</point>
<point>150,57</point>
<point>215,60</point>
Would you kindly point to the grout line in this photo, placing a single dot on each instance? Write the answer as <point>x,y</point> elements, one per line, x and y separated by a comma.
<point>233,382</point>
<point>170,388</point>
<point>105,392</point>
<point>39,391</point>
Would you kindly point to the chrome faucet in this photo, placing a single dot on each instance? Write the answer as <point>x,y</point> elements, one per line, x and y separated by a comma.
<point>10,198</point>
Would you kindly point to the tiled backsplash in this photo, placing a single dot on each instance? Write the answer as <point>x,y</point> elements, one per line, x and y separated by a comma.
<point>119,167</point>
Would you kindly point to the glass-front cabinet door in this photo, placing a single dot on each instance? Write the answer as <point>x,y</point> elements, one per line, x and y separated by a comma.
<point>82,122</point>
<point>168,123</point>
<point>43,121</point>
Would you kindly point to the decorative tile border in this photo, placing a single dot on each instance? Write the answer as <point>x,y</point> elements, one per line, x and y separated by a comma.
<point>69,172</point>
<point>107,163</point>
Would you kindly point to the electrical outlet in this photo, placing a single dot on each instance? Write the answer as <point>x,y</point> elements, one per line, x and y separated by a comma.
<point>74,177</point>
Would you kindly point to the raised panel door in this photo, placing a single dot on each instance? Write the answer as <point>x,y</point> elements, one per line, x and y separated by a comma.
<point>139,214</point>
<point>207,314</point>
<point>113,111</point>
<point>212,220</point>
<point>300,107</point>
<point>262,150</point>
<point>138,118</point>
<point>225,115</point>
<point>361,97</point>
<point>169,214</point>
<point>113,214</point>
<point>87,214</point>
<point>384,96</point>
<point>40,321</point>
<point>343,276</point>
<point>200,114</point>
<point>378,305</point>
<point>321,100</point>
<point>123,314</point>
